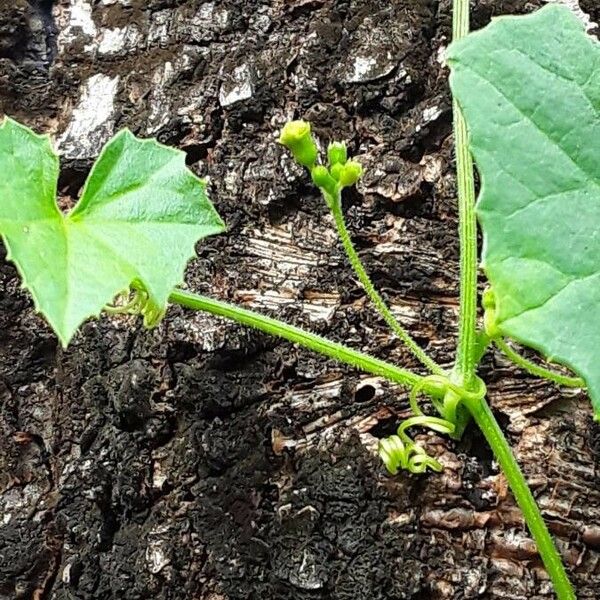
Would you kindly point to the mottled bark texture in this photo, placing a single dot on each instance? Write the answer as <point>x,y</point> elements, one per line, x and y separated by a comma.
<point>205,461</point>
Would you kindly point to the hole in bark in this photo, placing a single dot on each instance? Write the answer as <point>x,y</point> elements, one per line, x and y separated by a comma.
<point>385,427</point>
<point>364,393</point>
<point>194,153</point>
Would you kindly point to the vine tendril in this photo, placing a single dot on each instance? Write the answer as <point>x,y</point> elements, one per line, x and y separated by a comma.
<point>400,451</point>
<point>137,302</point>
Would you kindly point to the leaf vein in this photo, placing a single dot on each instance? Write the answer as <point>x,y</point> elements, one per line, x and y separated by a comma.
<point>593,177</point>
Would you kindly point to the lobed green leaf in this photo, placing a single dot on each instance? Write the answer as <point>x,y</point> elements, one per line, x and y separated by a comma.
<point>140,214</point>
<point>529,88</point>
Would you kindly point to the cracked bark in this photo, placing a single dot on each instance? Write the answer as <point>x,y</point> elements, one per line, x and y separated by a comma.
<point>205,461</point>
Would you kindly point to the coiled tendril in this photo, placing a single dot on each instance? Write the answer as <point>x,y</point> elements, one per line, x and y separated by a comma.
<point>137,302</point>
<point>400,451</point>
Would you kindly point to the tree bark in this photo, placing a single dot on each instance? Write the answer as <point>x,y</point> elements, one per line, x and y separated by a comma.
<point>204,461</point>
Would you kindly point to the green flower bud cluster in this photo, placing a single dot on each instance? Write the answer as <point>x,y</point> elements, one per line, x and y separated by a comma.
<point>340,172</point>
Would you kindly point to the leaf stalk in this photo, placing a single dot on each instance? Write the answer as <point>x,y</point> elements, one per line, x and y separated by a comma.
<point>335,205</point>
<point>298,336</point>
<point>537,370</point>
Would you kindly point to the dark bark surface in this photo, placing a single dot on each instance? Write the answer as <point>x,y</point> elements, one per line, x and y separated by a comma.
<point>204,461</point>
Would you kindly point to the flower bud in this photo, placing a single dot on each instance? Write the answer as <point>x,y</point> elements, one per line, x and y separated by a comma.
<point>337,153</point>
<point>296,137</point>
<point>351,173</point>
<point>336,171</point>
<point>323,180</point>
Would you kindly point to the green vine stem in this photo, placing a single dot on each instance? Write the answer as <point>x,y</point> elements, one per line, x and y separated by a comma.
<point>491,430</point>
<point>537,370</point>
<point>335,205</point>
<point>298,336</point>
<point>466,354</point>
<point>470,344</point>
